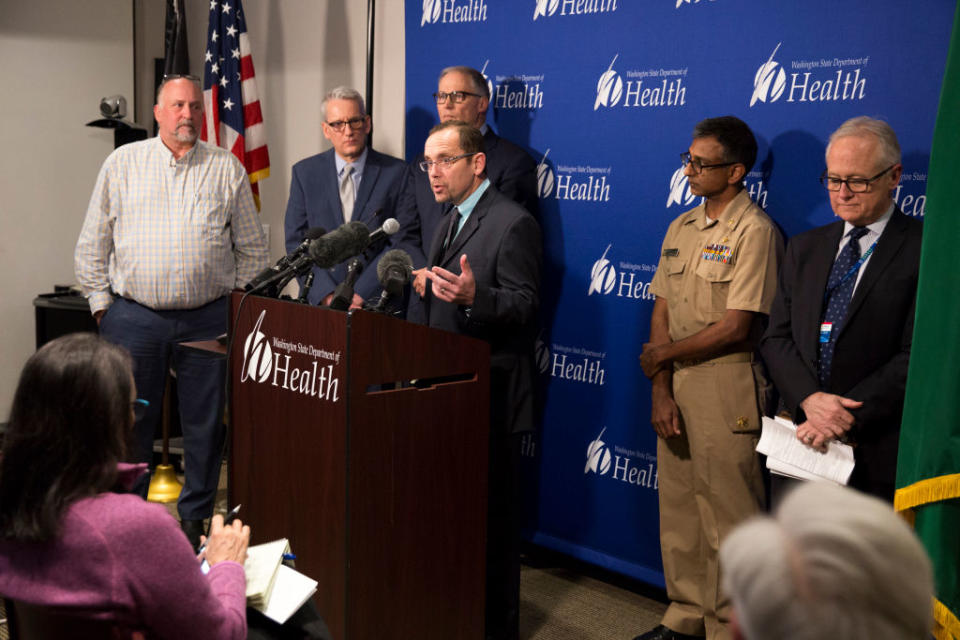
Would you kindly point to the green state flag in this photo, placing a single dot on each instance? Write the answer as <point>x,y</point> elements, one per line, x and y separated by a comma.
<point>928,469</point>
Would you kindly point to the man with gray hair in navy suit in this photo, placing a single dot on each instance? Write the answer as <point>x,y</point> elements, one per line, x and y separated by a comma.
<point>349,182</point>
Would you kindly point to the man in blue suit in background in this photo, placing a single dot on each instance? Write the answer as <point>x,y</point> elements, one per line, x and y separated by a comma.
<point>346,183</point>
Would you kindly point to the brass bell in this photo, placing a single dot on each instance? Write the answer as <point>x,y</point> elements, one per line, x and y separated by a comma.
<point>164,486</point>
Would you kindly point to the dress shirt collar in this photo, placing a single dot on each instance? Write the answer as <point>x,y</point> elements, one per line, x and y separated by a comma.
<point>873,230</point>
<point>730,216</point>
<point>466,207</point>
<point>167,154</point>
<point>357,164</point>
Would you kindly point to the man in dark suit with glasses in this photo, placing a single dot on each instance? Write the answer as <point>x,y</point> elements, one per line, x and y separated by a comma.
<point>841,325</point>
<point>349,182</point>
<point>463,95</point>
<point>484,282</point>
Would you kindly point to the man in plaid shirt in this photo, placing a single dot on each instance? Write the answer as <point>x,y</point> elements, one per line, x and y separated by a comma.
<point>171,228</point>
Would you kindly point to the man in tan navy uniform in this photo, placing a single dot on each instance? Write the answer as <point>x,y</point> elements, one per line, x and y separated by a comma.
<point>714,286</point>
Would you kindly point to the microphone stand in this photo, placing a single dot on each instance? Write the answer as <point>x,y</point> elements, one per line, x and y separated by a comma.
<point>343,294</point>
<point>305,289</point>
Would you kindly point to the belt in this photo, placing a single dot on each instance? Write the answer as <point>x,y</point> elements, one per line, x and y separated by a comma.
<point>729,358</point>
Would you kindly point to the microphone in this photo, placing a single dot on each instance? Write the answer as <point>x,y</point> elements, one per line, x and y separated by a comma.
<point>340,244</point>
<point>266,277</point>
<point>393,271</point>
<point>347,241</point>
<point>343,294</point>
<point>310,234</point>
<point>390,227</point>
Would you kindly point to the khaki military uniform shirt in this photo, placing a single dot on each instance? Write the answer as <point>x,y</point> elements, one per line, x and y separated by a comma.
<point>707,267</point>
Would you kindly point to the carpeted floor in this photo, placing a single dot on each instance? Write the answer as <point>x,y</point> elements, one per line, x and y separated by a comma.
<point>564,600</point>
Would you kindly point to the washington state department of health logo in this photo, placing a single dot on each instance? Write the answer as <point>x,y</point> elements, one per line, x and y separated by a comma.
<point>769,81</point>
<point>291,366</point>
<point>598,456</point>
<point>603,276</point>
<point>451,11</point>
<point>431,11</point>
<point>609,87</point>
<point>545,177</point>
<point>680,190</point>
<point>483,72</point>
<point>257,354</point>
<point>624,465</point>
<point>681,2</point>
<point>545,8</point>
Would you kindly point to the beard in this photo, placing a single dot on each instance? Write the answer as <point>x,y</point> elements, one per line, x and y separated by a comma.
<point>185,131</point>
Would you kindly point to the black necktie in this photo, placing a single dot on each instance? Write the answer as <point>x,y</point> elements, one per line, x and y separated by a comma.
<point>452,231</point>
<point>839,291</point>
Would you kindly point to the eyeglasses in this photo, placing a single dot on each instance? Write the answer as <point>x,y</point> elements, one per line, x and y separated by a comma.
<point>456,96</point>
<point>698,166</point>
<point>180,76</point>
<point>355,123</point>
<point>139,407</point>
<point>443,163</point>
<point>856,185</point>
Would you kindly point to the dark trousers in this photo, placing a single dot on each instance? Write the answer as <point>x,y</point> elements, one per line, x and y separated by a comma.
<point>503,538</point>
<point>151,337</point>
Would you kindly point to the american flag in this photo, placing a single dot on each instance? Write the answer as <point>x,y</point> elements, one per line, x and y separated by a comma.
<point>232,117</point>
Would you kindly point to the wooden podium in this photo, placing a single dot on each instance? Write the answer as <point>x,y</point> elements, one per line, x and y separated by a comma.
<point>381,488</point>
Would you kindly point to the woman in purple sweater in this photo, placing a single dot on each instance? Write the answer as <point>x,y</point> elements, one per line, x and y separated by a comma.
<point>67,540</point>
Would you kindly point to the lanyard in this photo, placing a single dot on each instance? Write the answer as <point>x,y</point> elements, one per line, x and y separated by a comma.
<point>852,270</point>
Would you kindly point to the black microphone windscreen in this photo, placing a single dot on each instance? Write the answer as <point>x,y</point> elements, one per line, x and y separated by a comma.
<point>395,258</point>
<point>313,233</point>
<point>340,244</point>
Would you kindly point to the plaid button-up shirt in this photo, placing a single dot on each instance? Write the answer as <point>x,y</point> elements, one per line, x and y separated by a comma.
<point>168,233</point>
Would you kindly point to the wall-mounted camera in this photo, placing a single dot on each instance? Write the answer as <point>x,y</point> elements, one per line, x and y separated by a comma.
<point>114,110</point>
<point>113,107</point>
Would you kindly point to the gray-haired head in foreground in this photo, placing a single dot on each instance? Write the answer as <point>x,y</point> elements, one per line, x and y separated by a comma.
<point>341,93</point>
<point>832,563</point>
<point>863,126</point>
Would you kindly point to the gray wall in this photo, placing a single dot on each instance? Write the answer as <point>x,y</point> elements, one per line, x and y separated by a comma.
<point>60,57</point>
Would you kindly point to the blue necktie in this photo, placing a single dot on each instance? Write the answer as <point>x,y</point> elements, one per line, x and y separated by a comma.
<point>840,287</point>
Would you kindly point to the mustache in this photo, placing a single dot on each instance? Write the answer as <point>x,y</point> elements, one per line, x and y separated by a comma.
<point>186,123</point>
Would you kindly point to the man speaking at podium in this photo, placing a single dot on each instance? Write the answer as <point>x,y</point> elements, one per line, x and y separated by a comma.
<point>484,280</point>
<point>346,183</point>
<point>464,95</point>
<point>171,228</point>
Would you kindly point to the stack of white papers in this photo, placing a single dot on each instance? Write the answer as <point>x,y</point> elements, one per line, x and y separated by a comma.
<point>789,457</point>
<point>290,590</point>
<point>273,588</point>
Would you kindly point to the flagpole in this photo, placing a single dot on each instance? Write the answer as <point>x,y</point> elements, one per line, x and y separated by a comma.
<point>371,14</point>
<point>136,92</point>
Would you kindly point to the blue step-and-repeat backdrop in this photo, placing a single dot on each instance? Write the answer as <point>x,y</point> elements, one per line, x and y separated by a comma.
<point>604,95</point>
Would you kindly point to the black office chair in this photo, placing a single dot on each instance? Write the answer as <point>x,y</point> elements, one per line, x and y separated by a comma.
<point>35,622</point>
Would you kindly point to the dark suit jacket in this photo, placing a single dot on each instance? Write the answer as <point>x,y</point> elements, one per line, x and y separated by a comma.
<point>510,169</point>
<point>873,348</point>
<point>315,202</point>
<point>502,243</point>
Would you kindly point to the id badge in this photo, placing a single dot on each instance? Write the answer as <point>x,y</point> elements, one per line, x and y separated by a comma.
<point>825,329</point>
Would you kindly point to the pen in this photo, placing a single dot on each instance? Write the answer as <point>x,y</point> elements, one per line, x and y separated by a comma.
<point>227,519</point>
<point>231,516</point>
